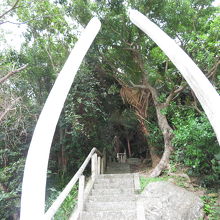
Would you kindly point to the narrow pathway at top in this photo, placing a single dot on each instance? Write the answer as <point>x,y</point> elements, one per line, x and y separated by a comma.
<point>116,168</point>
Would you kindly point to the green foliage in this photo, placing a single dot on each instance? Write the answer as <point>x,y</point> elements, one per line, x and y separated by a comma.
<point>10,188</point>
<point>16,128</point>
<point>210,207</point>
<point>68,204</point>
<point>196,145</point>
<point>155,137</point>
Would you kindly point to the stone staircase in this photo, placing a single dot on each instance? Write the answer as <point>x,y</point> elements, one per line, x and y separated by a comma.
<point>115,168</point>
<point>113,196</point>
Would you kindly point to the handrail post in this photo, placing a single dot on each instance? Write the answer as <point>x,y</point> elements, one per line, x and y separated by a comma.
<point>104,160</point>
<point>94,166</point>
<point>81,193</point>
<point>102,165</point>
<point>124,158</point>
<point>99,166</point>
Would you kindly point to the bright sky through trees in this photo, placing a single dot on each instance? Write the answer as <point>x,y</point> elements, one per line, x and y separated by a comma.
<point>14,32</point>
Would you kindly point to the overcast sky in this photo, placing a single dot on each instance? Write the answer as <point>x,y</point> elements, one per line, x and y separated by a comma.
<point>14,32</point>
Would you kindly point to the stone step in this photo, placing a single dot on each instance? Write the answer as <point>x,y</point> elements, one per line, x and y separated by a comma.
<point>124,184</point>
<point>123,181</point>
<point>109,215</point>
<point>118,167</point>
<point>134,161</point>
<point>124,191</point>
<point>112,198</point>
<point>117,171</point>
<point>110,206</point>
<point>117,164</point>
<point>127,179</point>
<point>113,176</point>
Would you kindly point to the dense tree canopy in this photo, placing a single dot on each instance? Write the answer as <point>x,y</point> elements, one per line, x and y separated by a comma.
<point>126,87</point>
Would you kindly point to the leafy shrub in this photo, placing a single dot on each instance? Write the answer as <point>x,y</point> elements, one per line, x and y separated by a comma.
<point>196,146</point>
<point>67,206</point>
<point>10,189</point>
<point>210,208</point>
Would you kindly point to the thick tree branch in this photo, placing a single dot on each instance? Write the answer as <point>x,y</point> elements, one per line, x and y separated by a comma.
<point>195,106</point>
<point>4,78</point>
<point>25,22</point>
<point>11,9</point>
<point>148,86</point>
<point>166,66</point>
<point>139,86</point>
<point>131,49</point>
<point>11,22</point>
<point>174,93</point>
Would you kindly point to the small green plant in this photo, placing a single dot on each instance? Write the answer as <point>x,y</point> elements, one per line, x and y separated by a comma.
<point>181,181</point>
<point>67,206</point>
<point>146,180</point>
<point>209,206</point>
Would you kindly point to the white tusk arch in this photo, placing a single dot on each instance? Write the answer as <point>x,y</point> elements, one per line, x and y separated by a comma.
<point>35,173</point>
<point>203,89</point>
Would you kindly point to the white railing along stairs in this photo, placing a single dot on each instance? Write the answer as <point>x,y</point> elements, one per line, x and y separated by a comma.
<point>98,164</point>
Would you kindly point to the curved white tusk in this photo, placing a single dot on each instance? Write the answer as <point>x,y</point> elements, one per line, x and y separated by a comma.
<point>35,173</point>
<point>203,89</point>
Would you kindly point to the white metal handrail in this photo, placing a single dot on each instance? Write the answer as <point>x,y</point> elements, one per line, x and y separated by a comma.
<point>35,172</point>
<point>201,86</point>
<point>97,168</point>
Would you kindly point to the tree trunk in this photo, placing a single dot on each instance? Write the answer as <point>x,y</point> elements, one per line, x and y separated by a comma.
<point>62,158</point>
<point>167,135</point>
<point>129,146</point>
<point>154,157</point>
<point>162,120</point>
